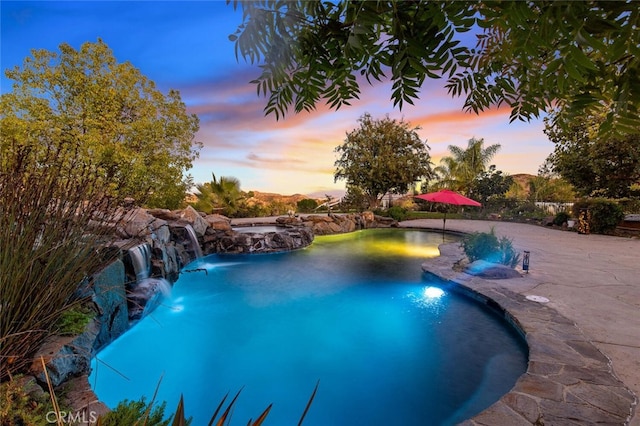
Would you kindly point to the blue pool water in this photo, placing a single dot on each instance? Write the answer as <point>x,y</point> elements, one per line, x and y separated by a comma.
<point>353,311</point>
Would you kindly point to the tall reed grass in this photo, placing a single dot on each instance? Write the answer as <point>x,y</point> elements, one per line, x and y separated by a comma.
<point>51,197</point>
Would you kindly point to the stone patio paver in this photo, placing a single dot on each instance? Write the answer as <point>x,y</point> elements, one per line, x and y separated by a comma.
<point>584,361</point>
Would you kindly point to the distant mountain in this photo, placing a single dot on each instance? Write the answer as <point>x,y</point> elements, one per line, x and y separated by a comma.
<point>270,197</point>
<point>322,195</point>
<point>266,198</point>
<point>523,180</point>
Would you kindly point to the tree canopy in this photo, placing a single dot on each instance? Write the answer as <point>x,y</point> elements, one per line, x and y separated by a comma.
<point>534,56</point>
<point>137,141</point>
<point>382,156</point>
<point>490,185</point>
<point>606,167</point>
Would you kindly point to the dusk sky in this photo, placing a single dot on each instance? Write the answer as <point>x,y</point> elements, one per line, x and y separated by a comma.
<point>185,46</point>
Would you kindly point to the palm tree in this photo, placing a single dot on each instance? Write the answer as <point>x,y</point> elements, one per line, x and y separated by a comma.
<point>445,175</point>
<point>222,194</point>
<point>464,166</point>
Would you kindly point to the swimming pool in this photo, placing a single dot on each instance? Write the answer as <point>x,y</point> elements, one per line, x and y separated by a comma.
<point>352,311</point>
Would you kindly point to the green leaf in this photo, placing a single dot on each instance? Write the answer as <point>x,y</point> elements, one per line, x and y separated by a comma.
<point>572,71</point>
<point>581,59</point>
<point>531,44</point>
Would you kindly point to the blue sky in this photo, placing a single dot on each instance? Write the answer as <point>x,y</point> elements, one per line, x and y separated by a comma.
<point>185,46</point>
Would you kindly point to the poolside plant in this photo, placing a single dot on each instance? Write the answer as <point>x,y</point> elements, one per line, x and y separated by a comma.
<point>20,404</point>
<point>142,413</point>
<point>486,246</point>
<point>48,244</point>
<point>136,412</point>
<point>508,255</point>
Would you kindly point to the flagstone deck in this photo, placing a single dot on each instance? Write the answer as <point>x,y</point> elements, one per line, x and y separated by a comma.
<point>582,326</point>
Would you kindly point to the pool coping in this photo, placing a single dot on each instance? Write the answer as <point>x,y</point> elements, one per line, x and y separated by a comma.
<point>568,381</point>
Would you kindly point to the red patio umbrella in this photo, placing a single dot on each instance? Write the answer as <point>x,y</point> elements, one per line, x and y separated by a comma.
<point>446,196</point>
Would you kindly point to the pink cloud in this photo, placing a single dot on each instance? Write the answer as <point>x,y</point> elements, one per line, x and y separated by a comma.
<point>298,151</point>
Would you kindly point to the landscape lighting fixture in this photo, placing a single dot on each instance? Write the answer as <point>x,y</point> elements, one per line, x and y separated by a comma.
<point>525,261</point>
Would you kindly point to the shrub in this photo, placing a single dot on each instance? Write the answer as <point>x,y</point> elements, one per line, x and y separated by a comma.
<point>131,412</point>
<point>307,205</point>
<point>526,210</point>
<point>561,218</point>
<point>630,204</point>
<point>398,213</point>
<point>508,255</point>
<point>139,412</point>
<point>481,245</point>
<point>18,406</point>
<point>604,215</point>
<point>486,246</point>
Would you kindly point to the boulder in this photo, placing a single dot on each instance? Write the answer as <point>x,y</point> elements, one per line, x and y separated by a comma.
<point>336,224</point>
<point>313,219</point>
<point>195,219</point>
<point>218,222</point>
<point>488,270</point>
<point>111,301</point>
<point>164,214</point>
<point>289,220</point>
<point>323,228</point>
<point>80,398</point>
<point>188,246</point>
<point>65,356</point>
<point>368,217</point>
<point>31,387</point>
<point>161,233</point>
<point>348,223</point>
<point>136,223</point>
<point>302,237</point>
<point>261,242</point>
<point>164,262</point>
<point>385,222</point>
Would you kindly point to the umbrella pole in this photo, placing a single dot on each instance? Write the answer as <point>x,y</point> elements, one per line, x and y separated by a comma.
<point>444,222</point>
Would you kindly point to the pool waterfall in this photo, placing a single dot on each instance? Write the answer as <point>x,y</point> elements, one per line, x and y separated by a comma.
<point>193,240</point>
<point>144,293</point>
<point>141,260</point>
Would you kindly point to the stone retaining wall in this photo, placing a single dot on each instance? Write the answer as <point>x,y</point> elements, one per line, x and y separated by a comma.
<point>338,223</point>
<point>174,238</point>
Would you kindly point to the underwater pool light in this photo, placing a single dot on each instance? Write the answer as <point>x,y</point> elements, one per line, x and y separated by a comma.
<point>433,292</point>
